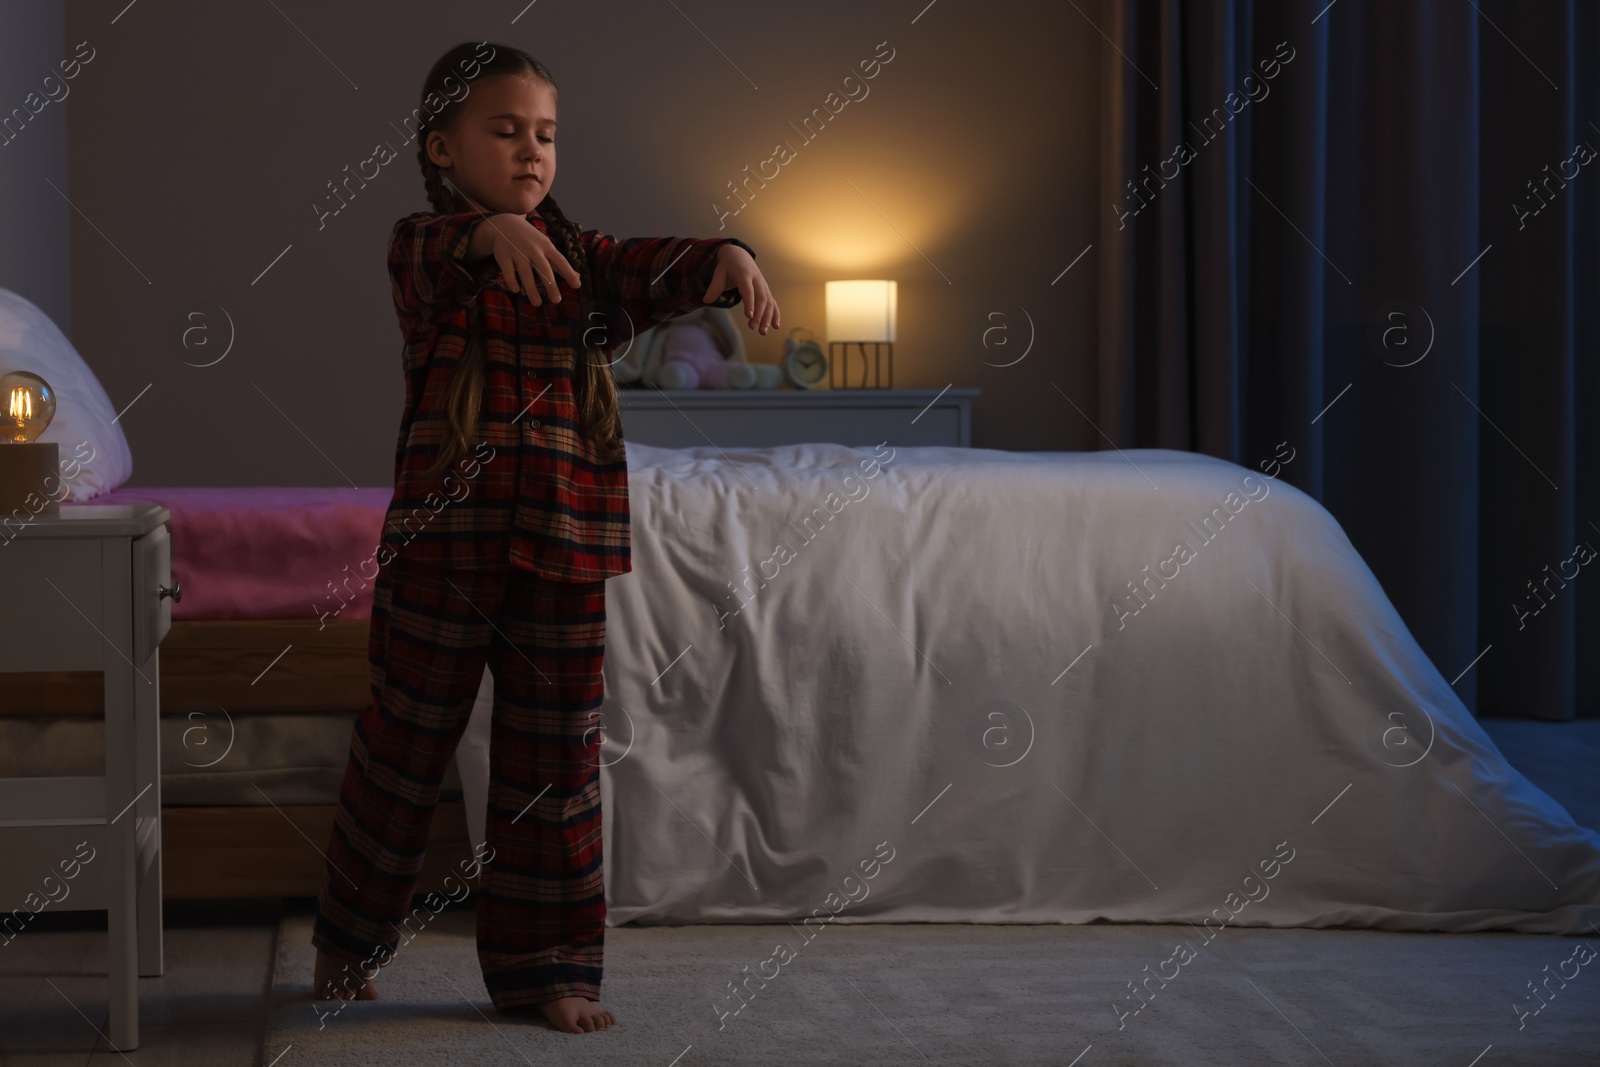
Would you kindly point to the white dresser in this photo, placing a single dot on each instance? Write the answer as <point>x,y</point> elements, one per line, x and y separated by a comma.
<point>760,418</point>
<point>91,590</point>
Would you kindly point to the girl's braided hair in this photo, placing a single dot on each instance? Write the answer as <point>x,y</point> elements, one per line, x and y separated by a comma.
<point>594,389</point>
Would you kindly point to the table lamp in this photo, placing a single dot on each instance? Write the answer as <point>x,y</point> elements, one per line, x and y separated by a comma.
<point>861,315</point>
<point>27,465</point>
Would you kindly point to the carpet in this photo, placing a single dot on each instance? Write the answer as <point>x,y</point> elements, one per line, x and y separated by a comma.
<point>875,993</point>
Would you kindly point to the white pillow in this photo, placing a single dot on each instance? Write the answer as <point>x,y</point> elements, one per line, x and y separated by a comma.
<point>95,457</point>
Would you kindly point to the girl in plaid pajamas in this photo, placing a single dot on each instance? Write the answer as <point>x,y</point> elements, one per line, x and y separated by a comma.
<point>510,510</point>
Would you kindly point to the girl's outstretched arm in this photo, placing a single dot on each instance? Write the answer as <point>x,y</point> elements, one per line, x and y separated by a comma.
<point>737,270</point>
<point>654,279</point>
<point>438,266</point>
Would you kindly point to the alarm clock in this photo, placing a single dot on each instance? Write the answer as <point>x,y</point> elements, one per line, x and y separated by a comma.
<point>804,362</point>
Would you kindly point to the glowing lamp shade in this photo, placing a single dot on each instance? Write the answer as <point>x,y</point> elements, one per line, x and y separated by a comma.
<point>27,404</point>
<point>861,311</point>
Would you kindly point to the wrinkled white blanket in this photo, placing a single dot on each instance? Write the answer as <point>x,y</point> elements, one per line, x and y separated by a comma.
<point>941,684</point>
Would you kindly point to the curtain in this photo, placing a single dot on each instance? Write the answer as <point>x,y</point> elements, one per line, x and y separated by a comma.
<point>1367,231</point>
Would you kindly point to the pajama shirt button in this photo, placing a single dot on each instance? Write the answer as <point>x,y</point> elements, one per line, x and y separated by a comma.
<point>533,424</point>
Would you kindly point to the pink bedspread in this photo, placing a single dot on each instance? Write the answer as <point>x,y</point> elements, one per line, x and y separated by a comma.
<point>269,553</point>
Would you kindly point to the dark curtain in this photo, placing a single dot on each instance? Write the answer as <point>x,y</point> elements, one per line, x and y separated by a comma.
<point>1377,244</point>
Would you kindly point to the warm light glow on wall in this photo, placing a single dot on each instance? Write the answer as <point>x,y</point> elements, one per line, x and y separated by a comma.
<point>861,310</point>
<point>819,221</point>
<point>836,244</point>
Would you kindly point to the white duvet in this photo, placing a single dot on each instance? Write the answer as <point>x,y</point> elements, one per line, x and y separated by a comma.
<point>940,684</point>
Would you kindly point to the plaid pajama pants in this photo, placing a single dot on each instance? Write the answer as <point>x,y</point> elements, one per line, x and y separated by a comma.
<point>541,900</point>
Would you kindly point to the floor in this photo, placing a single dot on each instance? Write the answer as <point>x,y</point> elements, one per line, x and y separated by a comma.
<point>213,1004</point>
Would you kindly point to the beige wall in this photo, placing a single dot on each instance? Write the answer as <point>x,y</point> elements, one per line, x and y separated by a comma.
<point>202,135</point>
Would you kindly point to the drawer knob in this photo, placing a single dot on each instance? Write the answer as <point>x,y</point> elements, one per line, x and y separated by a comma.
<point>176,592</point>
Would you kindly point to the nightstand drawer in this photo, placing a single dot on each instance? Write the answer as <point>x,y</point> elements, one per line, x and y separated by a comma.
<point>152,572</point>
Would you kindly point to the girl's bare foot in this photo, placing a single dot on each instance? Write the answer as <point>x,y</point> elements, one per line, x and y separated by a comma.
<point>337,980</point>
<point>576,1015</point>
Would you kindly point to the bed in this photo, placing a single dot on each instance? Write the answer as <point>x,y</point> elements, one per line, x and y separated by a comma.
<point>924,684</point>
<point>984,686</point>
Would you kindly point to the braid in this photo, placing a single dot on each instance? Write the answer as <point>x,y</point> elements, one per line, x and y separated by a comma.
<point>464,399</point>
<point>594,388</point>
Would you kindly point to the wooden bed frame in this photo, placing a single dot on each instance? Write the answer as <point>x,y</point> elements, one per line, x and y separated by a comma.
<point>256,666</point>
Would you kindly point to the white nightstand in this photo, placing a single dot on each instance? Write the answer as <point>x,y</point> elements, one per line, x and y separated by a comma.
<point>761,418</point>
<point>89,590</point>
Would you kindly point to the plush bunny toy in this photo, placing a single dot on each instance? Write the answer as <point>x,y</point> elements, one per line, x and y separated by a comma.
<point>701,349</point>
<point>690,359</point>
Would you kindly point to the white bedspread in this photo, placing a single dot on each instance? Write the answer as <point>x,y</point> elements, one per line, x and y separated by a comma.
<point>938,704</point>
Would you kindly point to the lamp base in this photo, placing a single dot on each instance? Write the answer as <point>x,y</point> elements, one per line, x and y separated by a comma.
<point>26,474</point>
<point>839,359</point>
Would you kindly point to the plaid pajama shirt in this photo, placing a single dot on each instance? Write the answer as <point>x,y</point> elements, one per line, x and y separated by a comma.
<point>509,573</point>
<point>541,499</point>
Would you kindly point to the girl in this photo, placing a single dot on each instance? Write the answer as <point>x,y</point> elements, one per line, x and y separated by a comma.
<point>506,308</point>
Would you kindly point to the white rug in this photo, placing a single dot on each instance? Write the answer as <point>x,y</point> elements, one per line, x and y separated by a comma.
<point>975,994</point>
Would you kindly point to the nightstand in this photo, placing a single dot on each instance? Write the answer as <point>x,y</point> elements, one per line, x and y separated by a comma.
<point>89,590</point>
<point>761,418</point>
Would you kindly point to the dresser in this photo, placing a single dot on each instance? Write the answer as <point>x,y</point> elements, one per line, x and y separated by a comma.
<point>91,590</point>
<point>761,418</point>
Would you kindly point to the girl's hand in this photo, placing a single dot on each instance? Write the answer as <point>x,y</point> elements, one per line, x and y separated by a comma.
<point>526,256</point>
<point>736,269</point>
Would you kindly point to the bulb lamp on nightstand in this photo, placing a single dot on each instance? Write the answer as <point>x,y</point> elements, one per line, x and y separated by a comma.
<point>27,465</point>
<point>861,319</point>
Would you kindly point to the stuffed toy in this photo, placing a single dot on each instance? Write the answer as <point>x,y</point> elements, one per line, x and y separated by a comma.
<point>700,349</point>
<point>690,359</point>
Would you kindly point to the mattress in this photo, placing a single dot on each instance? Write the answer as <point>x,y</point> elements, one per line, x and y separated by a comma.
<point>269,553</point>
